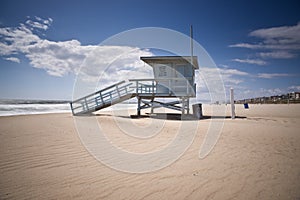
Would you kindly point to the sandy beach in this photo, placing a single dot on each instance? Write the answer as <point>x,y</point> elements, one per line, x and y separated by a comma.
<point>256,157</point>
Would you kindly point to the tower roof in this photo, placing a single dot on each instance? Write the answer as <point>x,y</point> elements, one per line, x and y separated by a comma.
<point>173,59</point>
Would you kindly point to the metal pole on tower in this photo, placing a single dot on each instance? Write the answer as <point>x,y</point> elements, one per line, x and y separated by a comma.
<point>192,63</point>
<point>192,44</point>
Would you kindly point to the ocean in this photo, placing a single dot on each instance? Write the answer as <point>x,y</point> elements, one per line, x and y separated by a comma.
<point>10,107</point>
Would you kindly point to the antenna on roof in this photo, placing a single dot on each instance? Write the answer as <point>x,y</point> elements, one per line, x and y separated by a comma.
<point>192,47</point>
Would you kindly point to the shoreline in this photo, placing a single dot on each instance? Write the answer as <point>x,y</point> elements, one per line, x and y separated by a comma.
<point>29,114</point>
<point>110,109</point>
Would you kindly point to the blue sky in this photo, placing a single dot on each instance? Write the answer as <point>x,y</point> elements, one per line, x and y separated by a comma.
<point>256,44</point>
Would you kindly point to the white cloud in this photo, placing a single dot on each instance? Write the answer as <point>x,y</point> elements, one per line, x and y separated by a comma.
<point>39,23</point>
<point>267,46</point>
<point>232,72</point>
<point>232,77</point>
<point>283,37</point>
<point>295,88</point>
<point>246,45</point>
<point>13,59</point>
<point>277,54</point>
<point>16,40</point>
<point>219,79</point>
<point>269,92</point>
<point>65,57</point>
<point>222,77</point>
<point>110,64</point>
<point>283,42</point>
<point>272,75</point>
<point>279,35</point>
<point>250,61</point>
<point>57,58</point>
<point>223,66</point>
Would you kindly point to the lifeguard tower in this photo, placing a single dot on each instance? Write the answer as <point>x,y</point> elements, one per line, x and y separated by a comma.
<point>174,78</point>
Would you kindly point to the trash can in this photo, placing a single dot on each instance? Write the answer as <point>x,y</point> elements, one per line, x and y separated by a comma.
<point>246,106</point>
<point>197,111</point>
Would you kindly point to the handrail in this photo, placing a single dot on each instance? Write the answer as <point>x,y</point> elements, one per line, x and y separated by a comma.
<point>99,91</point>
<point>150,88</point>
<point>101,98</point>
<point>161,79</point>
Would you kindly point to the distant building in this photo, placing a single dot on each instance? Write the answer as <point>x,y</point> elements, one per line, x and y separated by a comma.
<point>293,97</point>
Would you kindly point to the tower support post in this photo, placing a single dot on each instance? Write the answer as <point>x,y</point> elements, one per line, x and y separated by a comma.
<point>139,107</point>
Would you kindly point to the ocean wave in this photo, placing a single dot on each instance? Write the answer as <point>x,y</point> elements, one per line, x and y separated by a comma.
<point>26,101</point>
<point>10,107</point>
<point>27,109</point>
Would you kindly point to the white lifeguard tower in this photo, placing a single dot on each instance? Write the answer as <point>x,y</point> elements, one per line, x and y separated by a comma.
<point>174,77</point>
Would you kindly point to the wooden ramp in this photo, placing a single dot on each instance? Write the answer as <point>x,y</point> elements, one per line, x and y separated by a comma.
<point>143,89</point>
<point>103,98</point>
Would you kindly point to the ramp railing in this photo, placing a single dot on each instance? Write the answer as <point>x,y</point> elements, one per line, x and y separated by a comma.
<point>102,98</point>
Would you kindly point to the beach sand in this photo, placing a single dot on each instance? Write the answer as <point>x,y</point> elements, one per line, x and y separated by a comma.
<point>256,157</point>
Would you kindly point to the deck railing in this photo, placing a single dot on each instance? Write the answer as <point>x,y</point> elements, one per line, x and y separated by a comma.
<point>171,86</point>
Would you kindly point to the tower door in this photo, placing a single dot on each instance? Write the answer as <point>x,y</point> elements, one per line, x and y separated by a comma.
<point>180,81</point>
